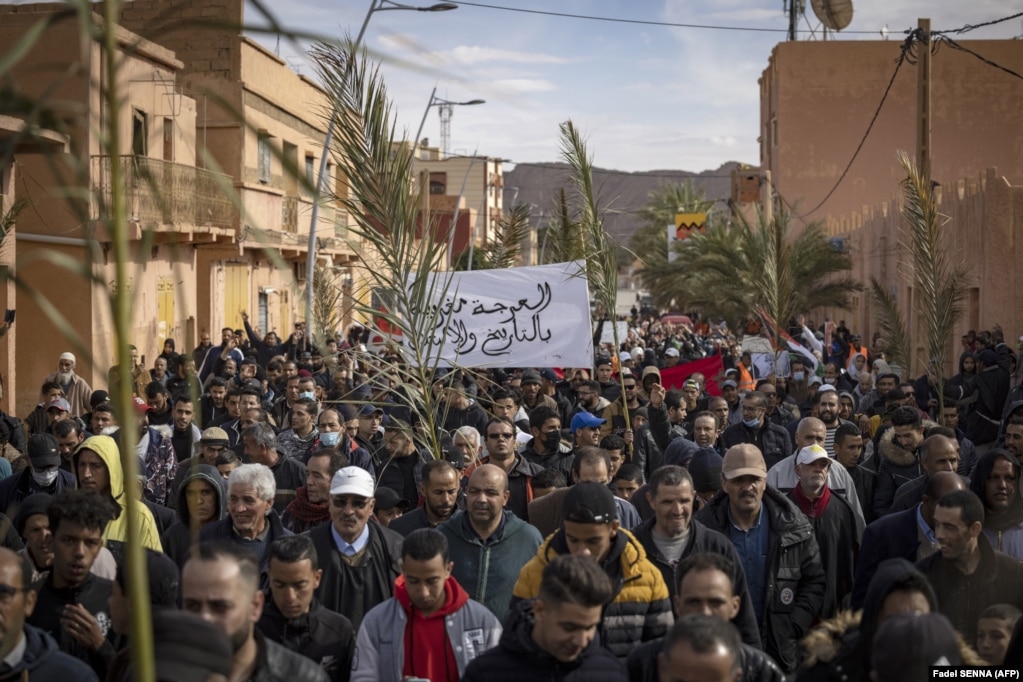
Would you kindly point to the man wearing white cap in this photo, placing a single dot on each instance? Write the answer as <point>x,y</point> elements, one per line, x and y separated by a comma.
<point>359,557</point>
<point>834,524</point>
<point>76,390</point>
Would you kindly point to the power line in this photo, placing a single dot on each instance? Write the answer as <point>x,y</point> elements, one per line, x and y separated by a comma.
<point>641,22</point>
<point>958,46</point>
<point>969,27</point>
<point>907,47</point>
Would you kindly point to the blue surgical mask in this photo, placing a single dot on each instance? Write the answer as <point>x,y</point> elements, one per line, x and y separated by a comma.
<point>798,376</point>
<point>307,394</point>
<point>330,438</point>
<point>752,423</point>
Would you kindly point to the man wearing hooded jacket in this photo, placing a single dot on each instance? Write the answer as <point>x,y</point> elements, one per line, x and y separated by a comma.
<point>202,501</point>
<point>996,482</point>
<point>97,462</point>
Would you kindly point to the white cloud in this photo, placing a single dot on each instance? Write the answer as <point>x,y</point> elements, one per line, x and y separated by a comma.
<point>478,54</point>
<point>522,85</point>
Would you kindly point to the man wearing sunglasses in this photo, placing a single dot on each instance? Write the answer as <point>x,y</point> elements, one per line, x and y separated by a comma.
<point>360,558</point>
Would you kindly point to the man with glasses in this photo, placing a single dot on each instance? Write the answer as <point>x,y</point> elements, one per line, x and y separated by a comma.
<point>500,443</point>
<point>614,414</point>
<point>589,399</point>
<point>772,440</point>
<point>360,560</point>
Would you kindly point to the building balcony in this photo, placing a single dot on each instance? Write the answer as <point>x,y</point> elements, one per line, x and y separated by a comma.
<point>160,193</point>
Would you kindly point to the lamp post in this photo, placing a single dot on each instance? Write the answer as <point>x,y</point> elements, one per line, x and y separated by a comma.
<point>437,101</point>
<point>375,6</point>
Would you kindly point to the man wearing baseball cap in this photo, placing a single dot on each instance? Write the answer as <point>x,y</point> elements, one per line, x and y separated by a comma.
<point>776,548</point>
<point>585,430</point>
<point>641,609</point>
<point>835,524</point>
<point>360,558</point>
<point>42,475</point>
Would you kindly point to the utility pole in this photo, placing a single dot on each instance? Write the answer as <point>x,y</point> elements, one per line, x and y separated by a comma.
<point>923,89</point>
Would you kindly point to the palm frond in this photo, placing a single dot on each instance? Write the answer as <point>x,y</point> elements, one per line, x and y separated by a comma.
<point>940,284</point>
<point>889,317</point>
<point>512,229</point>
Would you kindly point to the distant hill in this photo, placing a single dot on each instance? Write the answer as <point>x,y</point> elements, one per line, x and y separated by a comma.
<point>624,194</point>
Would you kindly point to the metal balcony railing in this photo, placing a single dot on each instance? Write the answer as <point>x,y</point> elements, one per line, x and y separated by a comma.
<point>165,193</point>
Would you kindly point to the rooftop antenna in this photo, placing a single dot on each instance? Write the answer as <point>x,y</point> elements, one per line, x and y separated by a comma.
<point>834,14</point>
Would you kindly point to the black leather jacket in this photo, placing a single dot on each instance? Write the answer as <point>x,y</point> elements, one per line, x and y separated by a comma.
<point>756,665</point>
<point>274,663</point>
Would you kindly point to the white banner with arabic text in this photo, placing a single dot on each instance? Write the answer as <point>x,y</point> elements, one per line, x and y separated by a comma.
<point>536,316</point>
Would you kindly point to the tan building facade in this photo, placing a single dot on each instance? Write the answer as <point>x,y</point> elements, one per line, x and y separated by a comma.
<point>215,133</point>
<point>817,98</point>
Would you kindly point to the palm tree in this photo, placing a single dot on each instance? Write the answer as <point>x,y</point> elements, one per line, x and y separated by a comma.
<point>650,243</point>
<point>733,269</point>
<point>562,240</point>
<point>505,250</point>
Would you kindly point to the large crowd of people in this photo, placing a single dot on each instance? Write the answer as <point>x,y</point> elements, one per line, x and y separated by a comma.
<point>832,520</point>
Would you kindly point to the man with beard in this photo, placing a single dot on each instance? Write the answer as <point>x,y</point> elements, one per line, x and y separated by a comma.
<point>898,453</point>
<point>220,583</point>
<point>673,535</point>
<point>967,573</point>
<point>402,469</point>
<point>996,482</point>
<point>185,433</point>
<point>589,399</point>
<point>295,619</point>
<point>937,453</point>
<point>827,411</point>
<point>776,547</point>
<point>261,448</point>
<point>835,525</point>
<point>667,416</point>
<point>360,559</point>
<point>76,390</point>
<point>69,435</point>
<point>212,404</point>
<point>772,440</point>
<point>311,506</point>
<point>811,431</point>
<point>439,490</point>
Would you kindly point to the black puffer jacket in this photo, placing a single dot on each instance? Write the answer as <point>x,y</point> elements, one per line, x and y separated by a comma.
<point>773,440</point>
<point>519,659</point>
<point>795,573</point>
<point>322,636</point>
<point>274,663</point>
<point>896,466</point>
<point>755,664</point>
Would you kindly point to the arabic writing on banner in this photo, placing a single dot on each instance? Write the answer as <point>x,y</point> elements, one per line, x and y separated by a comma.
<point>537,316</point>
<point>711,367</point>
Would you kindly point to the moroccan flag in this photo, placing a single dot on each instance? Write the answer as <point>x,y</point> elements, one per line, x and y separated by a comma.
<point>711,367</point>
<point>787,342</point>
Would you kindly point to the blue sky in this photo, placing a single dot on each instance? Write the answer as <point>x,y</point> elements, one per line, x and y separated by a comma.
<point>647,97</point>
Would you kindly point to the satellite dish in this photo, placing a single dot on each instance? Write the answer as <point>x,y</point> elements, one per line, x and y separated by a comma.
<point>834,14</point>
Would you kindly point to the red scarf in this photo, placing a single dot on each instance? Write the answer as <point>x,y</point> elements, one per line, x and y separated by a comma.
<point>812,508</point>
<point>308,512</point>
<point>428,651</point>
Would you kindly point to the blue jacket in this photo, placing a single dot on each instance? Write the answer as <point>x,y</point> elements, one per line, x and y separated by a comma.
<point>17,487</point>
<point>43,660</point>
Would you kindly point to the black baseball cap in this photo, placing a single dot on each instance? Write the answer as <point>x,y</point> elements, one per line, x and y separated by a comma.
<point>589,502</point>
<point>43,451</point>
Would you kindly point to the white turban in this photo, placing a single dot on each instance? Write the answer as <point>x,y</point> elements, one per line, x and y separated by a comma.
<point>68,356</point>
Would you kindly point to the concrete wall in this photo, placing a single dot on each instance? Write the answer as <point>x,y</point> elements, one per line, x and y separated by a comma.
<point>817,99</point>
<point>984,231</point>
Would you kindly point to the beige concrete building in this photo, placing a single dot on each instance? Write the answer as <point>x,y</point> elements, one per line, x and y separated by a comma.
<point>478,180</point>
<point>212,232</point>
<point>817,99</point>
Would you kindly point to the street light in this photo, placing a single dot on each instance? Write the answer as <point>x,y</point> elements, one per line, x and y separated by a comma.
<point>437,101</point>
<point>375,6</point>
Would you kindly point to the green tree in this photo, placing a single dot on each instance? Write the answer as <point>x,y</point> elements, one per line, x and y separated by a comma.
<point>650,242</point>
<point>562,241</point>
<point>734,268</point>
<point>505,250</point>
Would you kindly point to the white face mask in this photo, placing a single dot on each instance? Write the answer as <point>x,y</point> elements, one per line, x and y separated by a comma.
<point>46,477</point>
